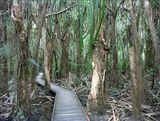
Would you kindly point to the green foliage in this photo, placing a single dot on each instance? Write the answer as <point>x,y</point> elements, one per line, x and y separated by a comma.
<point>123,65</point>
<point>77,81</point>
<point>155,4</point>
<point>88,67</point>
<point>151,72</point>
<point>100,19</point>
<point>11,87</point>
<point>91,19</point>
<point>97,13</point>
<point>33,62</point>
<point>81,27</point>
<point>5,51</point>
<point>20,115</point>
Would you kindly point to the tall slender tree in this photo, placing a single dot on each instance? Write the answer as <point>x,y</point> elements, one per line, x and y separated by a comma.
<point>39,21</point>
<point>96,98</point>
<point>136,65</point>
<point>22,70</point>
<point>152,28</point>
<point>3,42</point>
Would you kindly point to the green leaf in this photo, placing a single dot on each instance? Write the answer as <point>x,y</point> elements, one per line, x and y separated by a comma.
<point>32,61</point>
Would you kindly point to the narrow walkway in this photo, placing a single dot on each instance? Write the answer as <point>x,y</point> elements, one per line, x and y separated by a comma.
<point>67,106</point>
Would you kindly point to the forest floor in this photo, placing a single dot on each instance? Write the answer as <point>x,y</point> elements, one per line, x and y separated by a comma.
<point>42,107</point>
<point>119,102</point>
<point>119,106</point>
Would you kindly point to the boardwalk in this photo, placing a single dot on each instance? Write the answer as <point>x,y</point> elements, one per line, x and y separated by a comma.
<point>67,106</point>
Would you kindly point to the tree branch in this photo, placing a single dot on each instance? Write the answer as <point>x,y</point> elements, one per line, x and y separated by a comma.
<point>120,5</point>
<point>62,11</point>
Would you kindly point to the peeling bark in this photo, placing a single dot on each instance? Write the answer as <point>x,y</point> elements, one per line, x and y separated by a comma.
<point>114,50</point>
<point>47,56</point>
<point>149,14</point>
<point>64,58</point>
<point>22,70</point>
<point>136,66</point>
<point>40,22</point>
<point>96,98</point>
<point>3,42</point>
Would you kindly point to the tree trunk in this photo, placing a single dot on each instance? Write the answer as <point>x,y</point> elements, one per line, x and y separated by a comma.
<point>64,58</point>
<point>22,70</point>
<point>114,50</point>
<point>149,54</point>
<point>154,35</point>
<point>96,98</point>
<point>47,58</point>
<point>40,23</point>
<point>3,58</point>
<point>114,55</point>
<point>135,66</point>
<point>78,54</point>
<point>3,42</point>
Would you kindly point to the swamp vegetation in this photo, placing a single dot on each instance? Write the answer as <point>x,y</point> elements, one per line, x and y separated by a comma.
<point>107,51</point>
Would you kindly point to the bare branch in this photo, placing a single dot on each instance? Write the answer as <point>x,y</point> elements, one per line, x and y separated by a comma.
<point>62,11</point>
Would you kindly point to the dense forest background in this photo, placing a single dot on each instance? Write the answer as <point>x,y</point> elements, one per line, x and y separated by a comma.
<point>108,51</point>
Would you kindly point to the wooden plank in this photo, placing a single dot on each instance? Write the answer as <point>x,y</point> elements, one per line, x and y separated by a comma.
<point>67,106</point>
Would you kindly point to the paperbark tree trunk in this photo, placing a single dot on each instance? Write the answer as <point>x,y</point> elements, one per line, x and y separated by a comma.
<point>47,58</point>
<point>149,14</point>
<point>96,99</point>
<point>137,77</point>
<point>114,50</point>
<point>78,54</point>
<point>64,58</point>
<point>113,42</point>
<point>40,22</point>
<point>149,54</point>
<point>3,42</point>
<point>22,70</point>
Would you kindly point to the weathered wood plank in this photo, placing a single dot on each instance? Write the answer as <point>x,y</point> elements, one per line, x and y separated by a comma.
<point>67,106</point>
